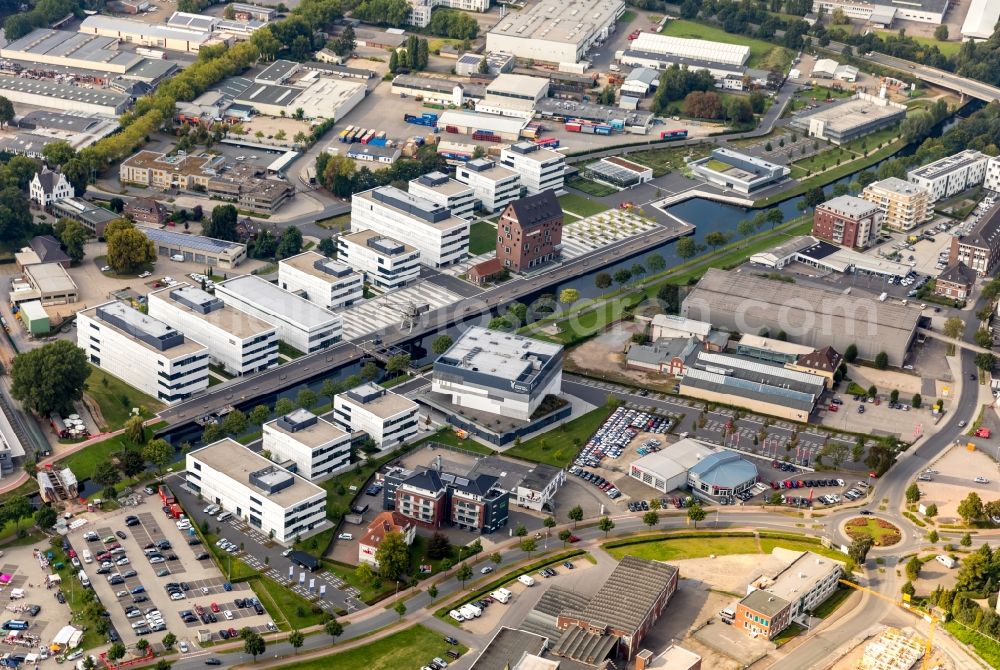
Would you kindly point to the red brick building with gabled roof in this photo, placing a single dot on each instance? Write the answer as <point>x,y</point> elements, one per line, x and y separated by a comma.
<point>529,232</point>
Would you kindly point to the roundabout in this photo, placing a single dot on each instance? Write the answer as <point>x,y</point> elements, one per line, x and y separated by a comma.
<point>883,533</point>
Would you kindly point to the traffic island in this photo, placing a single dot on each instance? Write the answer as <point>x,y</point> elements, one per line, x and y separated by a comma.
<point>883,533</point>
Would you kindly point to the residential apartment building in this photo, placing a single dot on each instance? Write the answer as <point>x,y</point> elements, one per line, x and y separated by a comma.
<point>848,221</point>
<point>774,601</point>
<point>992,179</point>
<point>441,238</point>
<point>299,323</point>
<point>903,205</point>
<point>386,263</point>
<point>529,232</point>
<point>142,351</point>
<point>236,341</point>
<point>980,249</point>
<point>433,498</point>
<point>494,186</point>
<point>388,418</point>
<point>420,10</point>
<point>272,500</point>
<point>315,447</point>
<point>500,373</point>
<point>541,169</point>
<point>328,283</point>
<point>146,210</point>
<point>383,524</point>
<point>955,282</point>
<point>445,192</point>
<point>49,186</point>
<point>950,175</point>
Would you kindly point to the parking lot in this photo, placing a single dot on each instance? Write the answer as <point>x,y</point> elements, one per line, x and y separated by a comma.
<point>23,574</point>
<point>151,576</point>
<point>950,478</point>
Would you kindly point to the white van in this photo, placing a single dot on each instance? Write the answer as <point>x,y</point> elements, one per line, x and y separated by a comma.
<point>87,556</point>
<point>470,611</point>
<point>526,580</point>
<point>947,561</point>
<point>456,615</point>
<point>84,579</point>
<point>501,595</point>
<point>225,516</point>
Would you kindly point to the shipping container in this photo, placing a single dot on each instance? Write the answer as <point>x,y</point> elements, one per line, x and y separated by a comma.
<point>673,134</point>
<point>573,128</point>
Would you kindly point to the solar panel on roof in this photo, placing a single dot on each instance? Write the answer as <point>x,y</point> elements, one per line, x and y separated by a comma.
<point>190,241</point>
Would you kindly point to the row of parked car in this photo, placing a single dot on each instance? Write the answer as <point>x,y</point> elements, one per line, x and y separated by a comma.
<point>596,480</point>
<point>805,483</point>
<point>617,432</point>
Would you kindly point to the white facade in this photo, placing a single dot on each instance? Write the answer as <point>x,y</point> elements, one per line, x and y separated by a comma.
<point>554,32</point>
<point>325,282</point>
<point>317,447</point>
<point>981,20</point>
<point>144,34</point>
<point>806,583</point>
<point>445,192</point>
<point>388,418</point>
<point>386,263</point>
<point>300,323</point>
<point>494,186</point>
<point>237,341</point>
<point>692,49</point>
<point>142,351</point>
<point>48,187</point>
<point>440,237</point>
<point>540,169</point>
<point>991,180</point>
<point>266,496</point>
<point>420,10</point>
<point>884,12</point>
<point>950,175</point>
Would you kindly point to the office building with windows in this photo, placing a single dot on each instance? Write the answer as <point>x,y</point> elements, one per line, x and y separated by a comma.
<point>388,418</point>
<point>386,263</point>
<point>494,186</point>
<point>443,191</point>
<point>541,169</point>
<point>307,445</point>
<point>904,205</point>
<point>320,280</point>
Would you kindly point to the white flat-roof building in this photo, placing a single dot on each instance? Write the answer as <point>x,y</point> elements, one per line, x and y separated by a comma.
<point>494,186</point>
<point>441,238</point>
<point>518,87</point>
<point>667,470</point>
<point>316,446</point>
<point>299,323</point>
<point>196,248</point>
<point>504,122</point>
<point>445,192</point>
<point>237,341</point>
<point>805,583</point>
<point>142,351</point>
<point>884,12</point>
<point>420,10</point>
<point>555,31</point>
<point>145,34</point>
<point>945,177</point>
<point>320,280</point>
<point>701,51</point>
<point>387,417</point>
<point>540,169</point>
<point>981,20</point>
<point>738,171</point>
<point>269,498</point>
<point>47,94</point>
<point>991,180</point>
<point>387,264</point>
<point>500,373</point>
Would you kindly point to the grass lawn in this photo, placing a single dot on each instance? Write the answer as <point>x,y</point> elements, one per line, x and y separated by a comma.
<point>871,142</point>
<point>873,529</point>
<point>687,547</point>
<point>787,634</point>
<point>482,238</point>
<point>663,161</point>
<point>830,605</point>
<point>288,350</point>
<point>418,557</point>
<point>336,223</point>
<point>824,160</point>
<point>581,205</point>
<point>116,398</point>
<point>447,436</point>
<point>986,648</point>
<point>409,648</point>
<point>947,49</point>
<point>767,544</point>
<point>288,610</point>
<point>590,187</point>
<point>369,593</point>
<point>77,601</point>
<point>84,462</point>
<point>560,445</point>
<point>681,28</point>
<point>718,166</point>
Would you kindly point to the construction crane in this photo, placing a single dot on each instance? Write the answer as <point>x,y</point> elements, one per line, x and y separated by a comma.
<point>411,312</point>
<point>904,604</point>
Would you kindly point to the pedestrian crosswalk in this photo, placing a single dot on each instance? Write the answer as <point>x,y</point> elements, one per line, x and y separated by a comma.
<point>388,310</point>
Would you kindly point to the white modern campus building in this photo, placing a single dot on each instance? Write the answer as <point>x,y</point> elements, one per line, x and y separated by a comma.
<point>500,373</point>
<point>239,342</point>
<point>541,169</point>
<point>494,186</point>
<point>950,175</point>
<point>445,192</point>
<point>387,417</point>
<point>441,238</point>
<point>882,13</point>
<point>386,263</point>
<point>299,323</point>
<point>322,281</point>
<point>316,446</point>
<point>264,495</point>
<point>142,351</point>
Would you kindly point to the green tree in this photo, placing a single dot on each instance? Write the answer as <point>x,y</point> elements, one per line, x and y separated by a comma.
<point>851,353</point>
<point>881,360</point>
<point>568,296</point>
<point>985,361</point>
<point>575,515</point>
<point>6,111</point>
<point>116,653</point>
<point>393,556</point>
<point>73,236</point>
<point>913,568</point>
<point>966,540</point>
<point>716,239</point>
<point>858,551</point>
<point>222,225</point>
<point>602,280</point>
<point>58,153</point>
<point>328,247</point>
<point>290,244</point>
<point>496,558</point>
<point>549,523</point>
<point>45,517</point>
<point>912,493</point>
<point>941,33</point>
<point>297,639</point>
<point>656,263</point>
<point>106,474</point>
<point>623,275</point>
<point>400,608</point>
<point>254,645</point>
<point>564,535</point>
<point>142,644</point>
<point>159,453</point>
<point>397,364</point>
<point>129,250</point>
<point>954,327</point>
<point>983,338</point>
<point>259,414</point>
<point>908,589</point>
<point>306,399</point>
<point>235,423</point>
<point>651,518</point>
<point>432,592</point>
<point>696,513</point>
<point>933,537</point>
<point>686,248</point>
<point>51,377</point>
<point>606,524</point>
<point>463,574</point>
<point>916,401</point>
<point>931,511</point>
<point>441,344</point>
<point>283,406</point>
<point>528,545</point>
<point>169,640</point>
<point>971,508</point>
